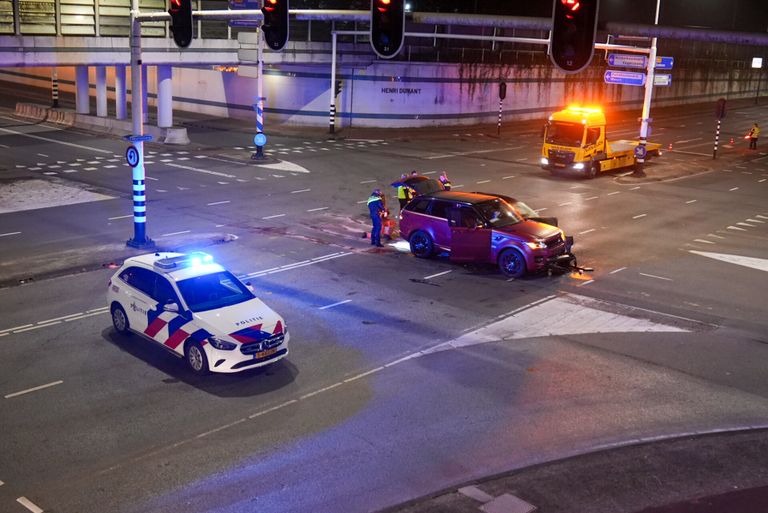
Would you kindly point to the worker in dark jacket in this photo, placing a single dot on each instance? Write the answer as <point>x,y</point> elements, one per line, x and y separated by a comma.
<point>376,208</point>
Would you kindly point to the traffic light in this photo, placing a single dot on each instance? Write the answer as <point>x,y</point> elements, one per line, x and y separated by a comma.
<point>574,23</point>
<point>275,24</point>
<point>337,88</point>
<point>181,22</point>
<point>387,27</point>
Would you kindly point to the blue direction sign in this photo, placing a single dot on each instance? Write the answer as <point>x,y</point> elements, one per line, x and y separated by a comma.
<point>627,60</point>
<point>137,138</point>
<point>632,78</point>
<point>664,62</point>
<point>260,139</point>
<point>132,156</point>
<point>244,4</point>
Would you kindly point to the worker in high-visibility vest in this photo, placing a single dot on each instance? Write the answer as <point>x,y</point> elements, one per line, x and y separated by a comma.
<point>753,135</point>
<point>376,208</point>
<point>403,192</point>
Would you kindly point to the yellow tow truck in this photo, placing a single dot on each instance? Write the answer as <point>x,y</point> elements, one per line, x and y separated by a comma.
<point>575,140</point>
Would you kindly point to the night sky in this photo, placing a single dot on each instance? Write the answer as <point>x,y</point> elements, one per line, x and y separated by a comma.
<point>741,15</point>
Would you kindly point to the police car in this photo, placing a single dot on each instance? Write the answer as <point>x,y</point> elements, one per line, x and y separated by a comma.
<point>196,309</point>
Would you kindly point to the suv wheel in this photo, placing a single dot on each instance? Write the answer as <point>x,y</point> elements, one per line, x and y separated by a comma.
<point>120,319</point>
<point>422,245</point>
<point>196,359</point>
<point>512,263</point>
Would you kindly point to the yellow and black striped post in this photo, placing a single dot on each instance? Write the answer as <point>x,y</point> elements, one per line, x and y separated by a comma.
<point>54,88</point>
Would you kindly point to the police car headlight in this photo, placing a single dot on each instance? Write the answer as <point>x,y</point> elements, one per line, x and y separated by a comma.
<point>580,165</point>
<point>544,161</point>
<point>221,344</point>
<point>539,244</point>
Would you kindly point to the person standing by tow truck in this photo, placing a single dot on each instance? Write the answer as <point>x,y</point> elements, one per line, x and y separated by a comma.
<point>376,209</point>
<point>753,134</point>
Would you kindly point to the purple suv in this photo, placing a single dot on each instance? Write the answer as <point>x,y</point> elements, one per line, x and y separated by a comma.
<point>484,228</point>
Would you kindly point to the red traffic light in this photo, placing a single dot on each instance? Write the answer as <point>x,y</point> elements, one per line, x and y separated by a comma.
<point>269,5</point>
<point>383,5</point>
<point>571,5</point>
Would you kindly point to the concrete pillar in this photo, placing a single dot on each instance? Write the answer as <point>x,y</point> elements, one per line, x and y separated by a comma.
<point>120,93</point>
<point>145,107</point>
<point>82,94</point>
<point>101,91</point>
<point>164,96</point>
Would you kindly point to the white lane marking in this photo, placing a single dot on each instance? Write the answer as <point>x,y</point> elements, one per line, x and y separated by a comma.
<point>639,216</point>
<point>540,209</point>
<point>657,277</point>
<point>690,201</point>
<point>175,233</point>
<point>99,309</point>
<point>688,140</point>
<point>564,204</point>
<point>368,181</point>
<point>36,327</point>
<point>745,224</point>
<point>206,171</point>
<point>220,160</point>
<point>31,506</point>
<point>591,198</point>
<point>761,216</point>
<point>587,231</point>
<point>274,216</point>
<point>460,153</point>
<point>612,193</point>
<point>335,304</point>
<point>8,130</point>
<point>217,203</point>
<point>760,264</point>
<point>296,265</point>
<point>317,209</point>
<point>85,315</point>
<point>755,221</point>
<point>289,167</point>
<point>715,236</point>
<point>16,328</point>
<point>60,318</point>
<point>1,483</point>
<point>361,202</point>
<point>482,181</point>
<point>634,188</point>
<point>35,168</point>
<point>436,275</point>
<point>9,233</point>
<point>300,190</point>
<point>320,391</point>
<point>363,374</point>
<point>703,241</point>
<point>457,186</point>
<point>119,217</point>
<point>736,228</point>
<point>733,189</point>
<point>617,270</point>
<point>33,389</point>
<point>507,177</point>
<point>762,180</point>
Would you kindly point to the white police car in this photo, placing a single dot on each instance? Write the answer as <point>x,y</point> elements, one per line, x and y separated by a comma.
<point>196,309</point>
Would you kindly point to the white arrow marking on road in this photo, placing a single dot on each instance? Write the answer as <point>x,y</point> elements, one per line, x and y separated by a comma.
<point>286,166</point>
<point>565,315</point>
<point>760,264</point>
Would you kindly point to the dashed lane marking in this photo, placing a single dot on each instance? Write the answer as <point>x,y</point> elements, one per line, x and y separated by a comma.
<point>335,304</point>
<point>31,506</point>
<point>48,139</point>
<point>587,231</point>
<point>690,201</point>
<point>703,241</point>
<point>9,234</point>
<point>655,276</point>
<point>274,216</point>
<point>300,190</point>
<point>733,189</point>
<point>217,203</point>
<point>33,389</point>
<point>612,193</point>
<point>638,216</point>
<point>617,270</point>
<point>205,171</point>
<point>436,275</point>
<point>736,228</point>
<point>175,233</point>
<point>119,217</point>
<point>507,177</point>
<point>317,209</point>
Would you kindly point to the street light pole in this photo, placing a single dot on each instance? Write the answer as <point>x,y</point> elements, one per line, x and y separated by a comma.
<point>649,79</point>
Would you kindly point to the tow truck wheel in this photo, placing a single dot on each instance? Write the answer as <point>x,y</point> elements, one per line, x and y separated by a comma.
<point>120,319</point>
<point>594,168</point>
<point>196,359</point>
<point>512,263</point>
<point>422,245</point>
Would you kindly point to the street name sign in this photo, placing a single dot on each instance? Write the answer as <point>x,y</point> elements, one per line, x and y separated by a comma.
<point>632,78</point>
<point>627,60</point>
<point>664,62</point>
<point>662,79</point>
<point>137,138</point>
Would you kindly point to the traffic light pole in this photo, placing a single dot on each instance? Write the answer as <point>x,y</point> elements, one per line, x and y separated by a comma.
<point>140,239</point>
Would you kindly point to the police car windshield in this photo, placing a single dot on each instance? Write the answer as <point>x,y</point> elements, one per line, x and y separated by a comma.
<point>499,213</point>
<point>212,291</point>
<point>565,134</point>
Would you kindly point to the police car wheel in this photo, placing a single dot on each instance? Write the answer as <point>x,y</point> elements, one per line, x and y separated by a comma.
<point>120,319</point>
<point>421,245</point>
<point>196,359</point>
<point>512,263</point>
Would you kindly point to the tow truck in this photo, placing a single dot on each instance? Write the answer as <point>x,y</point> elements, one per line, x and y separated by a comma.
<point>575,141</point>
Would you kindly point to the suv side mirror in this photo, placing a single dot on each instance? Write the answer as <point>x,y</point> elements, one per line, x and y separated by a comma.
<point>171,307</point>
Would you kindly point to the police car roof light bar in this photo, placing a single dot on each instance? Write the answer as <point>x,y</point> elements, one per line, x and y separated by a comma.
<point>187,260</point>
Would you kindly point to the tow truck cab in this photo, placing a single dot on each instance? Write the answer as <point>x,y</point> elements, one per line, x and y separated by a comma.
<point>575,140</point>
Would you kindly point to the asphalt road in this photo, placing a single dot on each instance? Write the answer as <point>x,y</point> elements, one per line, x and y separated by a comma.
<point>405,376</point>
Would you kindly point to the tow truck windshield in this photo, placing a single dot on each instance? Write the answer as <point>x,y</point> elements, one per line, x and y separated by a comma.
<point>499,213</point>
<point>211,291</point>
<point>565,134</point>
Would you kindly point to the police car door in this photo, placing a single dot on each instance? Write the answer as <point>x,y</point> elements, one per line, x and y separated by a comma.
<point>470,238</point>
<point>137,300</point>
<point>165,326</point>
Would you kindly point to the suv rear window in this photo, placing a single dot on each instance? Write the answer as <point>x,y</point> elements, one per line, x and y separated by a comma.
<point>440,209</point>
<point>419,205</point>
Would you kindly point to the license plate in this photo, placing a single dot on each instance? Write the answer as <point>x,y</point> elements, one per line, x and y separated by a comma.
<point>559,165</point>
<point>264,354</point>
